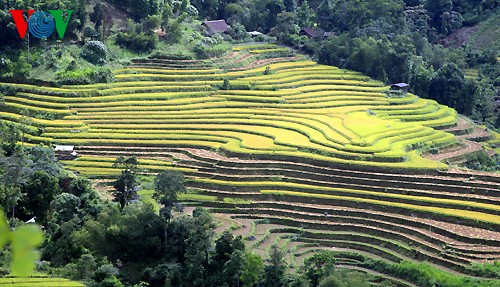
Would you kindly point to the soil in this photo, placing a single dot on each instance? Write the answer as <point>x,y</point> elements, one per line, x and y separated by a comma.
<point>460,37</point>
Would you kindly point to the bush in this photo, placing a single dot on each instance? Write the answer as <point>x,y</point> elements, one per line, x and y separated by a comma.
<point>137,41</point>
<point>173,54</point>
<point>8,91</point>
<point>331,281</point>
<point>95,52</point>
<point>84,76</point>
<point>207,51</point>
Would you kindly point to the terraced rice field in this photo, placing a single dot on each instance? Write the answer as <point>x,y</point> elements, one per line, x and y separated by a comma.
<point>307,156</point>
<point>39,282</point>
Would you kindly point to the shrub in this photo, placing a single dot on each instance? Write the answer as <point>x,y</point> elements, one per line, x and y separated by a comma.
<point>95,52</point>
<point>84,76</point>
<point>137,41</point>
<point>204,50</point>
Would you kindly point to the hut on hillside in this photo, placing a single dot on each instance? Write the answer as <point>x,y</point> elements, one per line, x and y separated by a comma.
<point>315,33</point>
<point>403,87</point>
<point>216,26</point>
<point>65,152</point>
<point>312,32</point>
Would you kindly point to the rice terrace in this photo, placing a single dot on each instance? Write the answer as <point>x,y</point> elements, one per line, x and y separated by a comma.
<point>287,152</point>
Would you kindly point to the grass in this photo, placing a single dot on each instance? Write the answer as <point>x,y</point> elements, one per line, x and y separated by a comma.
<point>38,282</point>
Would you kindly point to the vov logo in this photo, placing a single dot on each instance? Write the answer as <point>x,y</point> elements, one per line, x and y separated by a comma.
<point>41,24</point>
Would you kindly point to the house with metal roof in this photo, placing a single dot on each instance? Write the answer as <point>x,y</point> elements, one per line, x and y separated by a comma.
<point>65,152</point>
<point>403,87</point>
<point>216,26</point>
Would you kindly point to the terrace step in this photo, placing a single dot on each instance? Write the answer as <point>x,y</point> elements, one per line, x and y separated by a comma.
<point>457,180</point>
<point>309,223</point>
<point>463,127</point>
<point>375,273</point>
<point>478,134</point>
<point>469,147</point>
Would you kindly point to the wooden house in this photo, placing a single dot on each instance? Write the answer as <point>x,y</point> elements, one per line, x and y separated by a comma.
<point>216,26</point>
<point>403,87</point>
<point>65,152</point>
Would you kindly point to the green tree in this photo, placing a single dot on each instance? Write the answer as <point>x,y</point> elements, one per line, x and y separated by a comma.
<point>39,192</point>
<point>305,15</point>
<point>16,171</point>
<point>9,136</point>
<point>98,16</point>
<point>167,185</point>
<point>252,270</point>
<point>125,187</point>
<point>319,266</point>
<point>285,26</point>
<point>275,270</point>
<point>290,5</point>
<point>449,87</point>
<point>296,280</point>
<point>64,207</point>
<point>331,281</point>
<point>126,163</point>
<point>166,16</point>
<point>151,23</point>
<point>199,245</point>
<point>225,248</point>
<point>436,10</point>
<point>233,269</point>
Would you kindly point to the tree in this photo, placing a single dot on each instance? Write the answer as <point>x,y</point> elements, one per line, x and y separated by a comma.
<point>449,87</point>
<point>167,185</point>
<point>439,11</point>
<point>252,270</point>
<point>106,276</point>
<point>95,52</point>
<point>9,136</point>
<point>125,188</point>
<point>305,15</point>
<point>126,163</point>
<point>325,14</point>
<point>64,207</point>
<point>275,270</point>
<point>16,171</point>
<point>39,193</point>
<point>319,266</point>
<point>285,26</point>
<point>166,15</point>
<point>199,245</point>
<point>151,23</point>
<point>233,269</point>
<point>290,5</point>
<point>331,281</point>
<point>98,16</point>
<point>296,280</point>
<point>225,248</point>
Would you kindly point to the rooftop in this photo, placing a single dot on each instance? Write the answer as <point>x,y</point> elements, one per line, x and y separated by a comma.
<point>400,85</point>
<point>216,26</point>
<point>64,148</point>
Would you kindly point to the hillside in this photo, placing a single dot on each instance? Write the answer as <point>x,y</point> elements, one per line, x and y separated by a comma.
<point>309,156</point>
<point>38,282</point>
